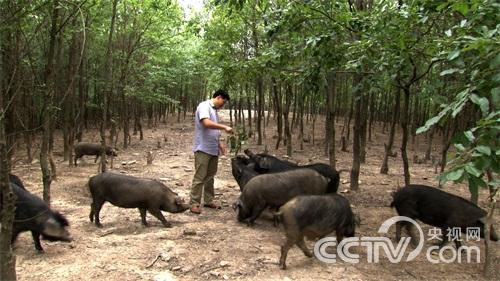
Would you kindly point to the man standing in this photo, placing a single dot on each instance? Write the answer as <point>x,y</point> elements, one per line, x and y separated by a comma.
<point>206,148</point>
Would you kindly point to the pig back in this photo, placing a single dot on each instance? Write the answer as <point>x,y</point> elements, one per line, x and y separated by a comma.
<point>436,207</point>
<point>278,188</point>
<point>127,191</point>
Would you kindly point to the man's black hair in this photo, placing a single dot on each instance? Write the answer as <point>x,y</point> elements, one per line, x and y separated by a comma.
<point>221,93</point>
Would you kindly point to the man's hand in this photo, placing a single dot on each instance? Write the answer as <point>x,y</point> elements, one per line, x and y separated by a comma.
<point>222,148</point>
<point>228,130</point>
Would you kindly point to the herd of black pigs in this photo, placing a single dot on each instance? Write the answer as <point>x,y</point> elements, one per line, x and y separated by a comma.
<point>303,198</point>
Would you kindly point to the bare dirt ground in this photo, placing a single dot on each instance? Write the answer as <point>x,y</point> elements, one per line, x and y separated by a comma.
<point>214,245</point>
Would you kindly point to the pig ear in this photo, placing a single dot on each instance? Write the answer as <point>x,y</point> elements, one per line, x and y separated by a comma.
<point>237,205</point>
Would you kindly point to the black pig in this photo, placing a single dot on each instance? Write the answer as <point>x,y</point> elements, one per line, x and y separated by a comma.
<point>16,180</point>
<point>86,148</point>
<point>33,214</point>
<point>314,216</point>
<point>274,190</point>
<point>242,170</point>
<point>437,208</point>
<point>132,192</point>
<point>265,163</point>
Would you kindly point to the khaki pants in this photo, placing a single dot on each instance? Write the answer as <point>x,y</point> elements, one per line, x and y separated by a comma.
<point>205,169</point>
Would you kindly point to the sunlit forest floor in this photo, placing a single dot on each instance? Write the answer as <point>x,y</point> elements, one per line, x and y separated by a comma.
<point>214,245</point>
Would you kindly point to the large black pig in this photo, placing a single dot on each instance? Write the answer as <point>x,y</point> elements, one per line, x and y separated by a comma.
<point>33,214</point>
<point>242,170</point>
<point>132,192</point>
<point>437,208</point>
<point>265,163</point>
<point>16,180</point>
<point>314,216</point>
<point>274,190</point>
<point>86,148</point>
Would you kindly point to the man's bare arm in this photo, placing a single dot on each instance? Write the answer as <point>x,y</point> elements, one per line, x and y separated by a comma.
<point>207,123</point>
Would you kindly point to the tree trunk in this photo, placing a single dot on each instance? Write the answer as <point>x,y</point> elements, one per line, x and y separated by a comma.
<point>249,108</point>
<point>106,93</point>
<point>356,142</point>
<point>364,121</point>
<point>50,85</point>
<point>260,108</point>
<point>300,118</point>
<point>430,138</point>
<point>288,134</point>
<point>330,117</point>
<point>7,200</point>
<point>384,169</point>
<point>404,141</point>
<point>279,111</point>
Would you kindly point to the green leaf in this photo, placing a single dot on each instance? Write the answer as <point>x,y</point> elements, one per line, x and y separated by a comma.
<point>453,55</point>
<point>486,150</point>
<point>495,62</point>
<point>496,78</point>
<point>428,124</point>
<point>474,184</point>
<point>469,168</point>
<point>449,71</point>
<point>482,102</point>
<point>482,163</point>
<point>461,7</point>
<point>469,135</point>
<point>459,147</point>
<point>454,175</point>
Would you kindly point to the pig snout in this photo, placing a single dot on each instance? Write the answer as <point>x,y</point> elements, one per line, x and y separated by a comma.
<point>180,205</point>
<point>54,231</point>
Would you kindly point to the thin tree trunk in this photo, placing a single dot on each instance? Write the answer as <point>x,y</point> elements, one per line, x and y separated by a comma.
<point>278,107</point>
<point>330,101</point>
<point>260,108</point>
<point>47,113</point>
<point>404,141</point>
<point>356,143</point>
<point>249,108</point>
<point>384,169</point>
<point>288,134</point>
<point>7,200</point>
<point>106,93</point>
<point>430,138</point>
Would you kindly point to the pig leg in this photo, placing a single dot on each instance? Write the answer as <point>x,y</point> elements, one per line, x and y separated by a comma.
<point>340,236</point>
<point>399,225</point>
<point>284,251</point>
<point>143,216</point>
<point>411,233</point>
<point>302,245</point>
<point>157,213</point>
<point>95,210</point>
<point>36,239</point>
<point>444,238</point>
<point>256,211</point>
<point>96,157</point>
<point>92,212</point>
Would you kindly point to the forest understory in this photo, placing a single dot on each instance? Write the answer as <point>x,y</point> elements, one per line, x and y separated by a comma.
<point>213,245</point>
